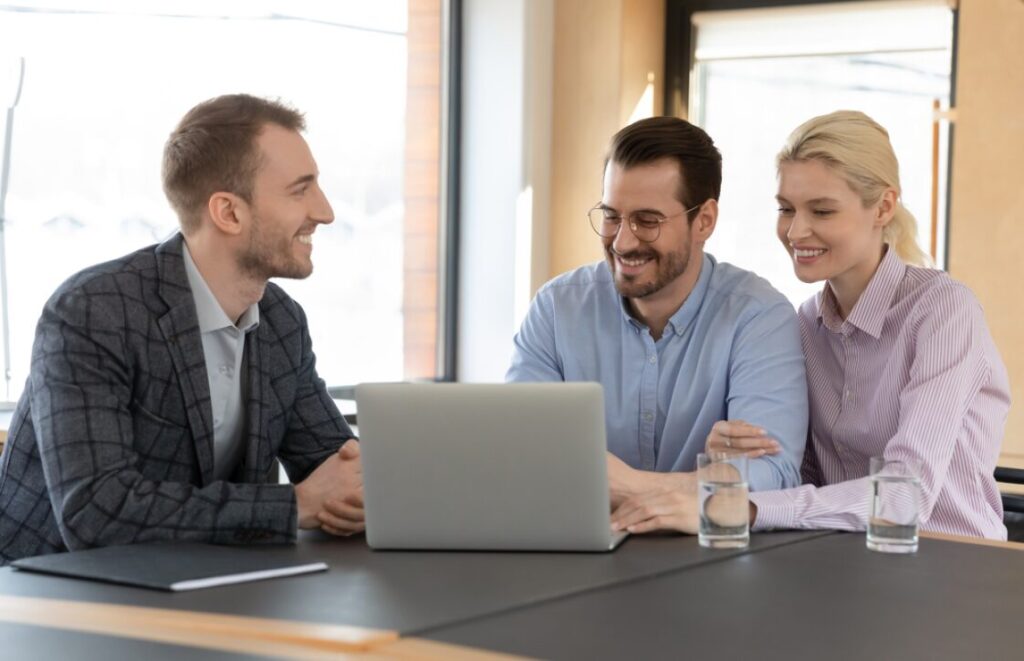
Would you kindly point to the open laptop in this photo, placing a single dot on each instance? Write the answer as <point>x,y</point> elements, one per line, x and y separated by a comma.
<point>518,466</point>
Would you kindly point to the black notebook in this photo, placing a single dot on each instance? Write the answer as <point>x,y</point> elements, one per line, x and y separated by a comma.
<point>172,567</point>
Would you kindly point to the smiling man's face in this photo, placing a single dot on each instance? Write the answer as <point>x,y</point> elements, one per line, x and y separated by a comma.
<point>287,206</point>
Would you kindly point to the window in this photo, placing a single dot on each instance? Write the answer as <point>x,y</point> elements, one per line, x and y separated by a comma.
<point>102,83</point>
<point>759,73</point>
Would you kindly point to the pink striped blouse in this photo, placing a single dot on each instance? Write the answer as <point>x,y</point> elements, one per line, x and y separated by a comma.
<point>912,373</point>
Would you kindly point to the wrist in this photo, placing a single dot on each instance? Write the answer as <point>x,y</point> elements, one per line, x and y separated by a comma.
<point>306,519</point>
<point>677,481</point>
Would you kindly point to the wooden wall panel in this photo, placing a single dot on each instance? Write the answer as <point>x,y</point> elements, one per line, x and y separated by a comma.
<point>986,229</point>
<point>606,52</point>
<point>422,189</point>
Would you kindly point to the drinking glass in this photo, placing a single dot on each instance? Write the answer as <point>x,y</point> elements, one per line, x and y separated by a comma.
<point>724,501</point>
<point>895,502</point>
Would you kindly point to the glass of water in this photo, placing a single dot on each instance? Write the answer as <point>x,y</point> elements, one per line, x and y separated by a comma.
<point>724,501</point>
<point>895,496</point>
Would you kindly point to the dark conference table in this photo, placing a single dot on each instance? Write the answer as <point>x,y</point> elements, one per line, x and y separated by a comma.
<point>789,596</point>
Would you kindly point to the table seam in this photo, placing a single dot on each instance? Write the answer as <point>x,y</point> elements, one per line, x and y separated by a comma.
<point>421,632</point>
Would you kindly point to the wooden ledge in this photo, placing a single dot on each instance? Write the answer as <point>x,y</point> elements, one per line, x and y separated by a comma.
<point>232,633</point>
<point>963,539</point>
<point>210,630</point>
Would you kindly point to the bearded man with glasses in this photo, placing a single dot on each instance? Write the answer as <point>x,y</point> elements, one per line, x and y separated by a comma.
<point>680,342</point>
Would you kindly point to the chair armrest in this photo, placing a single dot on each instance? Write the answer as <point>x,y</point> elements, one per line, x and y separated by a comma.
<point>1009,475</point>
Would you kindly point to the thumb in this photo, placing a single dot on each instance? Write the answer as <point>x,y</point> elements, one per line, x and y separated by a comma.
<point>350,449</point>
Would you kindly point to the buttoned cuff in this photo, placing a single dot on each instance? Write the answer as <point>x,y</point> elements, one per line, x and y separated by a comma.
<point>774,510</point>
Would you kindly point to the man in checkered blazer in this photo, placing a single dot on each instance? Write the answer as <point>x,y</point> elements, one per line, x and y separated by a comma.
<point>164,384</point>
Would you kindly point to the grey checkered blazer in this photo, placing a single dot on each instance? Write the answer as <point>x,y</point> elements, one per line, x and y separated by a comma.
<point>112,441</point>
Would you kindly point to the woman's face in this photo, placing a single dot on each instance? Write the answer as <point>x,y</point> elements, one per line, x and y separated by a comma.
<point>827,231</point>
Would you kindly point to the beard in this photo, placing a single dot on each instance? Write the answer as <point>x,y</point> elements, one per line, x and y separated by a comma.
<point>269,257</point>
<point>668,267</point>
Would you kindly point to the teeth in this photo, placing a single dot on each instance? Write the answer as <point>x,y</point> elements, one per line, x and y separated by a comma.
<point>808,253</point>
<point>634,262</point>
<point>306,238</point>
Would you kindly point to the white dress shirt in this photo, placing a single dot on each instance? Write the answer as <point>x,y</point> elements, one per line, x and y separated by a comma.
<point>224,349</point>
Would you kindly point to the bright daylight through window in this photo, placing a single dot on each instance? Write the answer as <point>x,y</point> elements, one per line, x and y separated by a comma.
<point>103,82</point>
<point>760,73</point>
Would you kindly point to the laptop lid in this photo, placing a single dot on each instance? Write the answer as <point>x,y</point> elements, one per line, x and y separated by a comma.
<point>516,466</point>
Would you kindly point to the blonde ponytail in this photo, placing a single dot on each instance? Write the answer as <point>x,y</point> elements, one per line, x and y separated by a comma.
<point>901,235</point>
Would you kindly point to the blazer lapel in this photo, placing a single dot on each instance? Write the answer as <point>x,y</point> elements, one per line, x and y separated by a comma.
<point>180,327</point>
<point>259,454</point>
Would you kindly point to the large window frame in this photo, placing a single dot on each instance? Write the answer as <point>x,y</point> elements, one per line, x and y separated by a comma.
<point>679,61</point>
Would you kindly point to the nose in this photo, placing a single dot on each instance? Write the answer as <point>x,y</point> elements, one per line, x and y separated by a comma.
<point>799,228</point>
<point>624,240</point>
<point>320,208</point>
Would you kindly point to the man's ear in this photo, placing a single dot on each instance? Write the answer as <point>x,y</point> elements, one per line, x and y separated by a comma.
<point>704,224</point>
<point>229,212</point>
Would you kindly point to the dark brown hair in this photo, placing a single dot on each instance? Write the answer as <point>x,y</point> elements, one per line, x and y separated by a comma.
<point>655,138</point>
<point>214,149</point>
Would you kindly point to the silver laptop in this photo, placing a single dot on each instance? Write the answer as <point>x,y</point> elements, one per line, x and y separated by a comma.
<point>518,466</point>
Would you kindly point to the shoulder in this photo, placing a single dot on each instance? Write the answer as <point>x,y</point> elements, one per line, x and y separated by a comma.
<point>579,285</point>
<point>929,296</point>
<point>101,291</point>
<point>743,293</point>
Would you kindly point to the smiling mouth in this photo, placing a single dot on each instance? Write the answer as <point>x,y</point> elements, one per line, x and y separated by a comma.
<point>634,262</point>
<point>306,239</point>
<point>807,253</point>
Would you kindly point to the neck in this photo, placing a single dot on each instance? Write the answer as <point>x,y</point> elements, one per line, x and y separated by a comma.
<point>655,310</point>
<point>234,290</point>
<point>849,286</point>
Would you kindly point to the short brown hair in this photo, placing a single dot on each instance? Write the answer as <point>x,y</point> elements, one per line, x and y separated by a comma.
<point>213,149</point>
<point>655,138</point>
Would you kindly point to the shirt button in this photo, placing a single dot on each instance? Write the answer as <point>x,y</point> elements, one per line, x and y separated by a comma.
<point>648,416</point>
<point>226,370</point>
<point>652,360</point>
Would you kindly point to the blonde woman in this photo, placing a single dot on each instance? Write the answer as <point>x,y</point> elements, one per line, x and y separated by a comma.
<point>900,361</point>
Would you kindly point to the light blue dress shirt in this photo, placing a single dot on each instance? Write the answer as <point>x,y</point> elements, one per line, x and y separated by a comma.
<point>223,349</point>
<point>732,351</point>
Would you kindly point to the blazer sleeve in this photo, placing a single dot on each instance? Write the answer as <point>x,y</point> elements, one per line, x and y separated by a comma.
<point>81,387</point>
<point>316,428</point>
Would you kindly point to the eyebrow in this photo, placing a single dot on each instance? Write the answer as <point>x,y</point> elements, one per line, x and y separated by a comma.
<point>304,179</point>
<point>605,207</point>
<point>817,200</point>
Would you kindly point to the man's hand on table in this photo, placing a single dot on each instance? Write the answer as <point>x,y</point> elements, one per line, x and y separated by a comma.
<point>331,498</point>
<point>644,501</point>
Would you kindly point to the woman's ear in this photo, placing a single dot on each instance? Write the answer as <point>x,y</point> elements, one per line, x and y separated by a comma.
<point>229,212</point>
<point>887,206</point>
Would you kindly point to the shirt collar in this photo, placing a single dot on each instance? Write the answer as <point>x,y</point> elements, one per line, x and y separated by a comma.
<point>869,311</point>
<point>687,312</point>
<point>211,315</point>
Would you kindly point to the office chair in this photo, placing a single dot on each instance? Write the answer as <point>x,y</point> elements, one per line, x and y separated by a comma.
<point>1013,503</point>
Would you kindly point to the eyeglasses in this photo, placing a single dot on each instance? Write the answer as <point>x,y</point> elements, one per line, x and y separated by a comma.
<point>646,225</point>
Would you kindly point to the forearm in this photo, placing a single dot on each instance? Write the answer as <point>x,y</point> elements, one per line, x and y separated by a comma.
<point>640,481</point>
<point>125,508</point>
<point>842,506</point>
